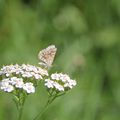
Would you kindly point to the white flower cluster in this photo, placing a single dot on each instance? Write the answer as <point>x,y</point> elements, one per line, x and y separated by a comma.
<point>17,77</point>
<point>9,84</point>
<point>60,82</point>
<point>27,71</point>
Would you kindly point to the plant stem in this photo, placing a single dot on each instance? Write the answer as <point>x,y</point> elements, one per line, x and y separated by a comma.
<point>20,106</point>
<point>20,112</point>
<point>50,100</point>
<point>41,112</point>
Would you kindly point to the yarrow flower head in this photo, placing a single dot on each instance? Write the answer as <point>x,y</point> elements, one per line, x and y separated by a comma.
<point>21,77</point>
<point>24,70</point>
<point>60,82</point>
<point>10,84</point>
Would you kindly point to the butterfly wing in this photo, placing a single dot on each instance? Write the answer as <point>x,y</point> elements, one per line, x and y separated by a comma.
<point>47,55</point>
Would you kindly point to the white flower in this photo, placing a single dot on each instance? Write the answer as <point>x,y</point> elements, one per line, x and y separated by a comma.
<point>55,76</point>
<point>64,77</point>
<point>70,84</point>
<point>52,84</point>
<point>29,88</point>
<point>37,76</point>
<point>7,74</point>
<point>18,82</point>
<point>58,86</point>
<point>5,86</point>
<point>19,71</point>
<point>9,88</point>
<point>60,82</point>
<point>49,83</point>
<point>43,72</point>
<point>27,71</point>
<point>27,74</point>
<point>4,83</point>
<point>13,80</point>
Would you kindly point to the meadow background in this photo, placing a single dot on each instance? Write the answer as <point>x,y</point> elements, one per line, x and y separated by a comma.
<point>87,35</point>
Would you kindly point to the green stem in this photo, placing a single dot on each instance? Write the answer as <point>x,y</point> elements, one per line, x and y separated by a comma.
<point>20,112</point>
<point>20,106</point>
<point>50,100</point>
<point>41,112</point>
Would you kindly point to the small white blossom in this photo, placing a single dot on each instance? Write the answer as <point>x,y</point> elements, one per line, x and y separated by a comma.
<point>49,83</point>
<point>55,76</point>
<point>5,86</point>
<point>7,74</point>
<point>42,71</point>
<point>13,80</point>
<point>29,88</point>
<point>9,88</point>
<point>72,82</point>
<point>64,77</point>
<point>37,76</point>
<point>4,83</point>
<point>58,86</point>
<point>27,74</point>
<point>19,83</point>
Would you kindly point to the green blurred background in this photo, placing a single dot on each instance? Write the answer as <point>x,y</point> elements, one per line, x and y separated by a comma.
<point>87,35</point>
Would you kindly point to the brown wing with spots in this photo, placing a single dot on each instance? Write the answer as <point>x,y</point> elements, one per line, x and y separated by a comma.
<point>47,55</point>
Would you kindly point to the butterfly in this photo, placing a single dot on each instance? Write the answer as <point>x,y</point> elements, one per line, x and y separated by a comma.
<point>47,55</point>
